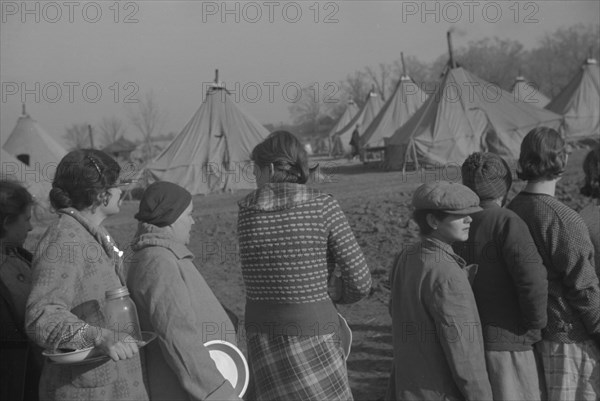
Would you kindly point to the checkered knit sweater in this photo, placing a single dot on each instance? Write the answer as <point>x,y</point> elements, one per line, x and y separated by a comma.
<point>563,242</point>
<point>291,237</point>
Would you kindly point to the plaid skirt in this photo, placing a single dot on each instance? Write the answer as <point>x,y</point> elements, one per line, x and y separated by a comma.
<point>572,371</point>
<point>303,368</point>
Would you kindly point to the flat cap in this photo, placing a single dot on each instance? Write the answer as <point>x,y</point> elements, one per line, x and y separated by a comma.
<point>446,196</point>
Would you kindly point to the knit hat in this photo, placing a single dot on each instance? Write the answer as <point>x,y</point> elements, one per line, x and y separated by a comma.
<point>162,203</point>
<point>487,174</point>
<point>452,198</point>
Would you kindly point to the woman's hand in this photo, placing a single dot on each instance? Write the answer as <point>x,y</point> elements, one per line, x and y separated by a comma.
<point>117,345</point>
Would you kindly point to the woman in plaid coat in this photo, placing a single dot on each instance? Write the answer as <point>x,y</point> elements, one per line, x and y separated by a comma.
<point>291,239</point>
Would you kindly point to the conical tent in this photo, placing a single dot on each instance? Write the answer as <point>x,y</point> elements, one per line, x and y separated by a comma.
<point>527,92</point>
<point>466,114</point>
<point>212,152</point>
<point>406,99</point>
<point>579,102</point>
<point>31,144</point>
<point>363,118</point>
<point>347,116</point>
<point>38,183</point>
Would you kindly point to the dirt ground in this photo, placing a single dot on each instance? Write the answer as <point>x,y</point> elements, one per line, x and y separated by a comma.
<point>377,205</point>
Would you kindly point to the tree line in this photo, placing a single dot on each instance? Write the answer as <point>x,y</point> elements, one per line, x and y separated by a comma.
<point>549,66</point>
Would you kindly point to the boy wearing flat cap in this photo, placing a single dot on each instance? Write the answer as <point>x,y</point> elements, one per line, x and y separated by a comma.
<point>511,289</point>
<point>438,345</point>
<point>174,300</point>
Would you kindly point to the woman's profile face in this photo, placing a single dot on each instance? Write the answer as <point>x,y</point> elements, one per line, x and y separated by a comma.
<point>183,225</point>
<point>452,228</point>
<point>114,201</point>
<point>16,232</point>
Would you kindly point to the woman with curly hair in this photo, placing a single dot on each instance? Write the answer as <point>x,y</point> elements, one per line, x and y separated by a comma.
<point>75,263</point>
<point>570,346</point>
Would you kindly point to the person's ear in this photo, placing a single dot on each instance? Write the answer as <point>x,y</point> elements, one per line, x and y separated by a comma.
<point>432,221</point>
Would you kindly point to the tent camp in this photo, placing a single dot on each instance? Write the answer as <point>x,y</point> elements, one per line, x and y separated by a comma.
<point>526,92</point>
<point>363,118</point>
<point>464,115</point>
<point>406,99</point>
<point>212,152</point>
<point>38,182</point>
<point>32,145</point>
<point>579,102</point>
<point>335,147</point>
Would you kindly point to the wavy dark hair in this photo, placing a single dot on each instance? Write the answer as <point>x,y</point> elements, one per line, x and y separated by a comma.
<point>286,153</point>
<point>14,200</point>
<point>591,169</point>
<point>81,176</point>
<point>543,155</point>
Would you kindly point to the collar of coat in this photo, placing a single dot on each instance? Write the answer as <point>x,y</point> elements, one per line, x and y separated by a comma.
<point>150,235</point>
<point>433,243</point>
<point>98,232</point>
<point>279,196</point>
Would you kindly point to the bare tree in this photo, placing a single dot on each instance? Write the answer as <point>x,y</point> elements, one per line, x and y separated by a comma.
<point>559,56</point>
<point>307,111</point>
<point>148,119</point>
<point>111,129</point>
<point>78,136</point>
<point>418,71</point>
<point>357,87</point>
<point>381,78</point>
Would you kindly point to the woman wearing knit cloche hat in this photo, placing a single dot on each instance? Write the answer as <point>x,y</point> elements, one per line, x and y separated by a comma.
<point>570,346</point>
<point>174,300</point>
<point>511,289</point>
<point>291,238</point>
<point>438,345</point>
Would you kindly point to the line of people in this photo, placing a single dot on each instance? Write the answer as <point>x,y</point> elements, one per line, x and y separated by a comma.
<point>493,303</point>
<point>500,302</point>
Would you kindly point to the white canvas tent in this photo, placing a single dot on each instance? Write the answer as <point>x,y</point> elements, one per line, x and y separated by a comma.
<point>31,144</point>
<point>466,114</point>
<point>212,152</point>
<point>363,118</point>
<point>526,92</point>
<point>404,102</point>
<point>336,148</point>
<point>37,182</point>
<point>579,102</point>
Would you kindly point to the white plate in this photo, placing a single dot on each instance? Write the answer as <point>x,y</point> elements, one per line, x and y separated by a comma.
<point>83,356</point>
<point>345,336</point>
<point>68,357</point>
<point>231,363</point>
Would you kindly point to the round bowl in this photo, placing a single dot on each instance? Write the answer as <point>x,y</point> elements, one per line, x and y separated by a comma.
<point>231,363</point>
<point>68,357</point>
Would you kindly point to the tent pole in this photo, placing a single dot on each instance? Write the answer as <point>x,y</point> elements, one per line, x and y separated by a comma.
<point>449,38</point>
<point>404,72</point>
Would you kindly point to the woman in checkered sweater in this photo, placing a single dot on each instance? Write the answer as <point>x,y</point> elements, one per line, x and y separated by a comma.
<point>291,239</point>
<point>570,348</point>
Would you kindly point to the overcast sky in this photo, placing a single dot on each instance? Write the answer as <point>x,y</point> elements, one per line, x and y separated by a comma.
<point>75,62</point>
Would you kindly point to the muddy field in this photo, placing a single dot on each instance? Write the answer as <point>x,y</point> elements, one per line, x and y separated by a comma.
<point>377,205</point>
